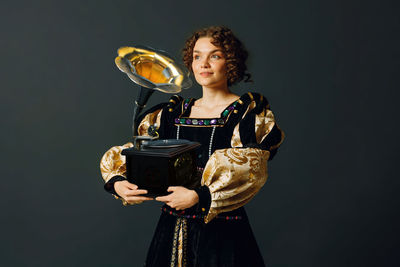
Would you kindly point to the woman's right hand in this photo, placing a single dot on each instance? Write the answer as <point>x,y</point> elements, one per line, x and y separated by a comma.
<point>130,192</point>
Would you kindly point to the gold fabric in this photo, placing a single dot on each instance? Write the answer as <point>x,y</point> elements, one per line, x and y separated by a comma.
<point>282,138</point>
<point>113,163</point>
<point>264,123</point>
<point>178,254</point>
<point>234,176</point>
<point>148,120</point>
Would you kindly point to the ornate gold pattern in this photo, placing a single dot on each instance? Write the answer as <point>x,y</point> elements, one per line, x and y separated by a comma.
<point>234,176</point>
<point>178,254</point>
<point>113,163</point>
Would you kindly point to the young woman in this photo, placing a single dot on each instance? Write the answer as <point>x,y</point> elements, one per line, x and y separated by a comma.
<point>208,226</point>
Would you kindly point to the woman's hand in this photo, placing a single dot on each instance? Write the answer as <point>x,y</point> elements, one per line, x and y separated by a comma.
<point>130,192</point>
<point>181,198</point>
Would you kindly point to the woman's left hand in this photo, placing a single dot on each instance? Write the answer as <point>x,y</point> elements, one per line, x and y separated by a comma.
<point>181,198</point>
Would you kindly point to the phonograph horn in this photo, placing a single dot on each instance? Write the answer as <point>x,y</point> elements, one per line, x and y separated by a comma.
<point>152,164</point>
<point>153,70</point>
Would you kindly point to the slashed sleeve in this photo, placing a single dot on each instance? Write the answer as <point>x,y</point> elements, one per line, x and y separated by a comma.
<point>112,164</point>
<point>235,175</point>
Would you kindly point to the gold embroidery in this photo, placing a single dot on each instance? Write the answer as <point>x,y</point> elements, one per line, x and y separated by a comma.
<point>175,242</point>
<point>234,156</point>
<point>178,254</point>
<point>113,163</point>
<point>234,176</point>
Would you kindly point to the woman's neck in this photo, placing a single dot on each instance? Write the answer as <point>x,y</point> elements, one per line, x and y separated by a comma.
<point>214,97</point>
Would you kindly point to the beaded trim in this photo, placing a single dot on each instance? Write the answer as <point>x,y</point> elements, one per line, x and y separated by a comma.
<point>185,121</point>
<point>195,216</point>
<point>177,132</point>
<point>211,142</point>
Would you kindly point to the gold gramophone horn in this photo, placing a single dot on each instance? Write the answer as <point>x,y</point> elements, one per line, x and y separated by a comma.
<point>152,69</point>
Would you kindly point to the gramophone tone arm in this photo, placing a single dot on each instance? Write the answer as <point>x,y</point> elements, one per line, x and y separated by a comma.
<point>150,119</point>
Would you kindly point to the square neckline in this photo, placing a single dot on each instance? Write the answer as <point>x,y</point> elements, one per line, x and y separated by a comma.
<point>188,110</point>
<point>184,120</point>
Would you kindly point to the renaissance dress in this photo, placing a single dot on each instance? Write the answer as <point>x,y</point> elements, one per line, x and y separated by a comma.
<point>231,169</point>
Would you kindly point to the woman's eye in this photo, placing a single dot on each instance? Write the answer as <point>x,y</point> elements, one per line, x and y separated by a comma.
<point>196,57</point>
<point>215,56</point>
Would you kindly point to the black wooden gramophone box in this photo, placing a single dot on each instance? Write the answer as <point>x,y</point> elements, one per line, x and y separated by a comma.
<point>156,167</point>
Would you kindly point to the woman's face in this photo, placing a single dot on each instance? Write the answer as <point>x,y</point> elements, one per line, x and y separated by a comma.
<point>209,64</point>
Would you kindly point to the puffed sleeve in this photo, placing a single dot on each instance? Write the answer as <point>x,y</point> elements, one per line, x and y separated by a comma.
<point>235,175</point>
<point>113,168</point>
<point>112,164</point>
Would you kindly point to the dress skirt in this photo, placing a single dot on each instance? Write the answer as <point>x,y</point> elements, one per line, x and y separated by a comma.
<point>225,241</point>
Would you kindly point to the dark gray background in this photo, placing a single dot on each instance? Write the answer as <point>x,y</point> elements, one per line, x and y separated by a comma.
<point>329,69</point>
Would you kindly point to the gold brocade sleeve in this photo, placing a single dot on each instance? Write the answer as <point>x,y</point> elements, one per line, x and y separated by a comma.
<point>264,122</point>
<point>234,176</point>
<point>113,163</point>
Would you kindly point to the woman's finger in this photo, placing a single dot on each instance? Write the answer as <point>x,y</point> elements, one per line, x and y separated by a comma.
<point>136,192</point>
<point>171,188</point>
<point>164,198</point>
<point>138,198</point>
<point>131,186</point>
<point>128,184</point>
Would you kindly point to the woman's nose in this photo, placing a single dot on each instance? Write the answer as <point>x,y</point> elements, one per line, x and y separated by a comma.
<point>205,63</point>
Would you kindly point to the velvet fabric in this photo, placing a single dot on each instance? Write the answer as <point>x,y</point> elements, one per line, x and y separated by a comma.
<point>186,238</point>
<point>219,243</point>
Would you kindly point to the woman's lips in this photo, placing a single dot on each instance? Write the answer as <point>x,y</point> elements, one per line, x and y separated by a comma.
<point>205,74</point>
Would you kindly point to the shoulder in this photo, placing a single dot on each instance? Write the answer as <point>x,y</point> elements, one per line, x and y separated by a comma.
<point>254,102</point>
<point>163,107</point>
<point>174,102</point>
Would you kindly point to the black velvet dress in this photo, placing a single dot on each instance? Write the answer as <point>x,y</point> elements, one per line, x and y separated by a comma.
<point>216,231</point>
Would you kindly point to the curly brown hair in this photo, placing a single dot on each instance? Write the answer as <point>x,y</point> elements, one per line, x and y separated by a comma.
<point>232,47</point>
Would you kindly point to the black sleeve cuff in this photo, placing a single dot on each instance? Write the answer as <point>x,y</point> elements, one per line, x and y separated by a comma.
<point>204,198</point>
<point>109,186</point>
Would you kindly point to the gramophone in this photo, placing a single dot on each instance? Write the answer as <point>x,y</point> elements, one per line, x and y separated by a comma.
<point>151,163</point>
